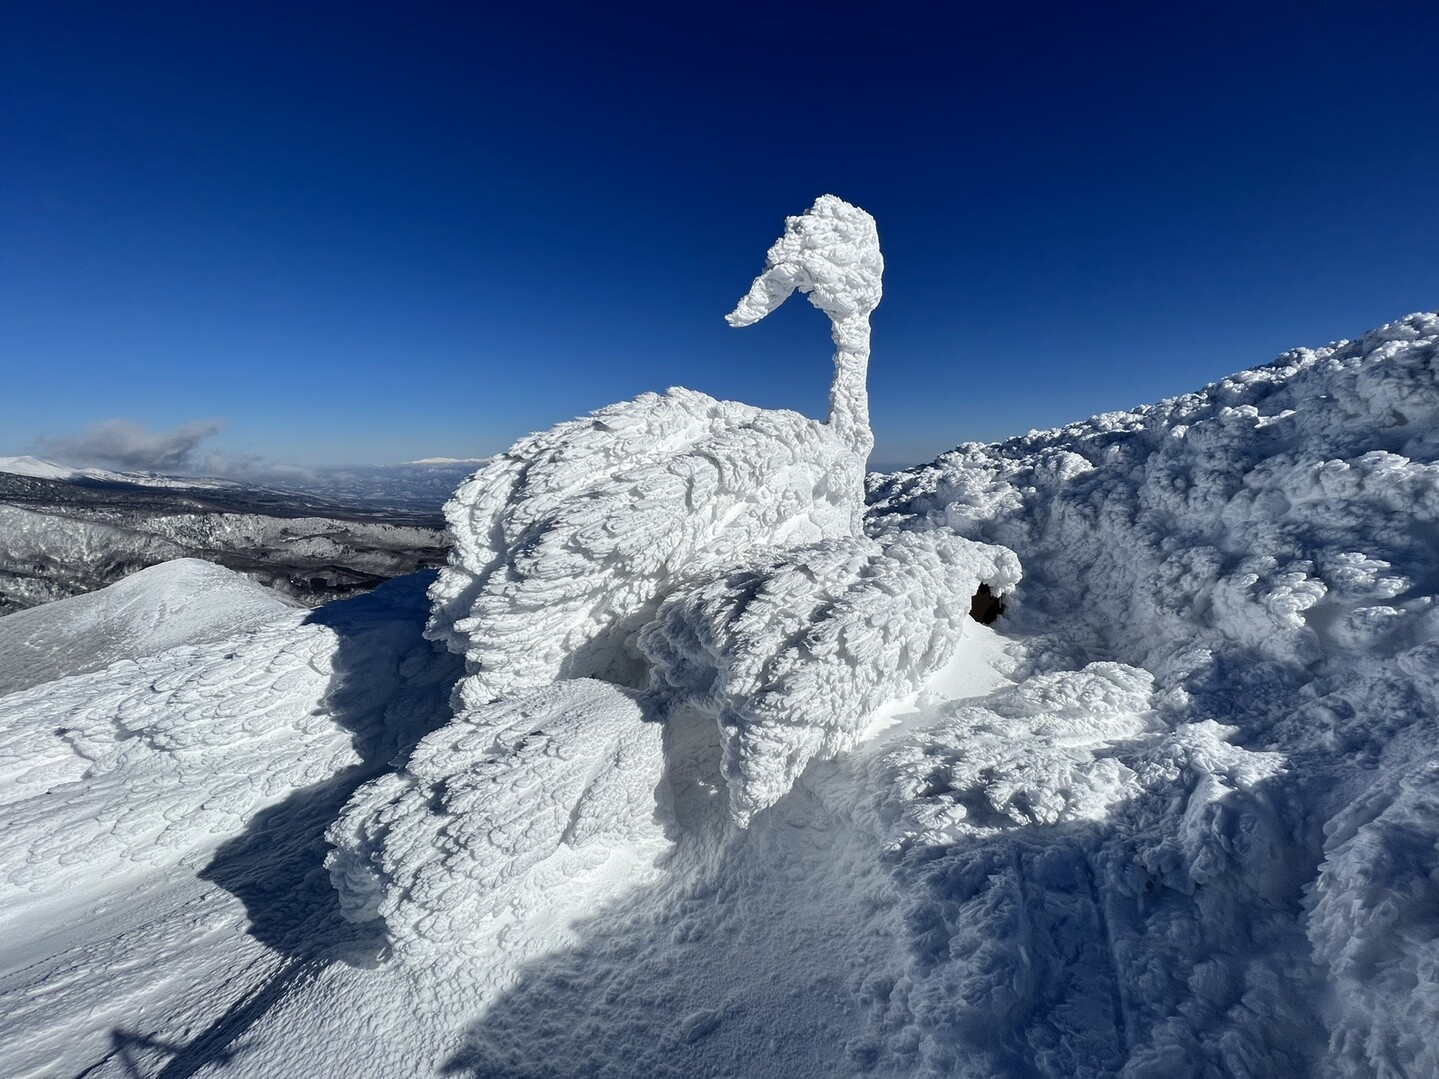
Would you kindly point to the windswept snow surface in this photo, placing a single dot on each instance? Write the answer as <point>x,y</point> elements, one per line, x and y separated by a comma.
<point>160,862</point>
<point>1176,813</point>
<point>184,602</point>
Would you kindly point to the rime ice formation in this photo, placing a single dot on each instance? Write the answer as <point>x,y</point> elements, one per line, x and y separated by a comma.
<point>521,809</point>
<point>565,544</point>
<point>791,652</point>
<point>831,254</point>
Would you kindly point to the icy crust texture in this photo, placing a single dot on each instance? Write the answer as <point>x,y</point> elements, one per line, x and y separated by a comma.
<point>1086,888</point>
<point>564,546</point>
<point>1266,549</point>
<point>523,812</point>
<point>791,652</point>
<point>1374,924</point>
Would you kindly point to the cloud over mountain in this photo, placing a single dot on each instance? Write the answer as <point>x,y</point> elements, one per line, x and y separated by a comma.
<point>125,444</point>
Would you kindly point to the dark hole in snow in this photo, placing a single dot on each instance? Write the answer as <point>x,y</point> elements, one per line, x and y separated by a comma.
<point>986,606</point>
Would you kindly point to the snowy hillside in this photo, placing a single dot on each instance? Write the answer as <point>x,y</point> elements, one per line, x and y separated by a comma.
<point>789,812</point>
<point>35,468</point>
<point>186,601</point>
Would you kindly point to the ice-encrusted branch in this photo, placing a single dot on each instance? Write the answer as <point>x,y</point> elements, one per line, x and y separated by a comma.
<point>831,252</point>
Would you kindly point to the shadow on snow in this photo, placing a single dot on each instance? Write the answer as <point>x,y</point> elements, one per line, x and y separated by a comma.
<point>389,688</point>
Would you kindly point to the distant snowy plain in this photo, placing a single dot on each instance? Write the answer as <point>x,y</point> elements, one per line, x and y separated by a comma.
<point>1175,813</point>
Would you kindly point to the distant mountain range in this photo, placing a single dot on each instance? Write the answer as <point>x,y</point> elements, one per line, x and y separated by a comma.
<point>65,531</point>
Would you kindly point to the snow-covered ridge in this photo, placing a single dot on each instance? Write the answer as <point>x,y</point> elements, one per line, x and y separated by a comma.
<point>181,602</point>
<point>1270,509</point>
<point>35,468</point>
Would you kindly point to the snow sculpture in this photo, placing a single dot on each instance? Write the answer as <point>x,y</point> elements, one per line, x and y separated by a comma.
<point>566,543</point>
<point>791,652</point>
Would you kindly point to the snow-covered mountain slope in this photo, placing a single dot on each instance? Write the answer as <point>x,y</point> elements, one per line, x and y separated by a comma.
<point>35,468</point>
<point>1173,814</point>
<point>1266,549</point>
<point>413,487</point>
<point>184,602</point>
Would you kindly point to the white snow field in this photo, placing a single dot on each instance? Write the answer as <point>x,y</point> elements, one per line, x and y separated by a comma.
<point>770,803</point>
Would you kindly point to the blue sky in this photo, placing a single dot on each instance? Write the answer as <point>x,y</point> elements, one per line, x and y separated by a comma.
<point>353,232</point>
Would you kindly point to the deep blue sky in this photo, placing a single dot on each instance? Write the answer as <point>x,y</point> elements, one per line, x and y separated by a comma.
<point>373,232</point>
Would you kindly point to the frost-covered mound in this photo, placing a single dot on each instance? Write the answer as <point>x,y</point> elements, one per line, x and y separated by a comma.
<point>175,603</point>
<point>521,814</point>
<point>565,544</point>
<point>790,653</point>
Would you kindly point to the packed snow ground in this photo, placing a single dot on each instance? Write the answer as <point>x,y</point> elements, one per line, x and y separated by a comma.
<point>1176,813</point>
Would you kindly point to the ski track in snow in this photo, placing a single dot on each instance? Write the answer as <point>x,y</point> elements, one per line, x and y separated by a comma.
<point>1177,814</point>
